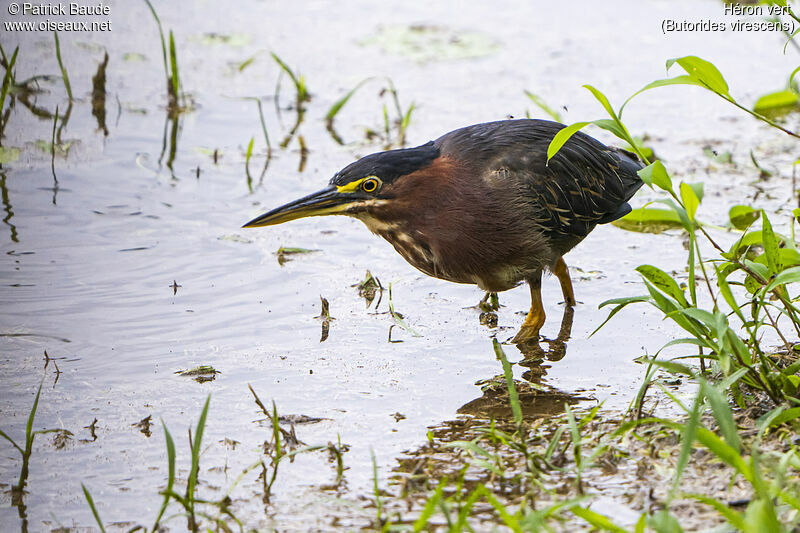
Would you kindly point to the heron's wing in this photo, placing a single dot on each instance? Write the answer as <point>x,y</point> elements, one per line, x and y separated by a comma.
<point>584,184</point>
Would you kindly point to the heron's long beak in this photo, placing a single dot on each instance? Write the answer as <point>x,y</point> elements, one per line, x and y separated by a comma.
<point>328,201</point>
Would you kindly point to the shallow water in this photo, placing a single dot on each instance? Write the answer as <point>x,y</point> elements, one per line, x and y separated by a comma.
<point>89,261</point>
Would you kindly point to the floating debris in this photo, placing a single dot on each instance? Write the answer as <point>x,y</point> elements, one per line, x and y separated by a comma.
<point>424,43</point>
<point>144,425</point>
<point>284,253</point>
<point>369,287</point>
<point>201,373</point>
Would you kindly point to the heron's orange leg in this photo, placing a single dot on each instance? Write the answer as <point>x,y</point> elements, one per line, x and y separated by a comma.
<point>535,319</point>
<point>562,274</point>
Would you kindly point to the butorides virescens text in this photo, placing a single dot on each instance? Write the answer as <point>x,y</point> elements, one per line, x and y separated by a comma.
<point>482,205</point>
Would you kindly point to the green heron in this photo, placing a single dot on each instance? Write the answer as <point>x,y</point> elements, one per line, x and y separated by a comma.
<point>482,205</point>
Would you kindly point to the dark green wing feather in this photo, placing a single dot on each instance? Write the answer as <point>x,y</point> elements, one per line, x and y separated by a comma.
<point>585,183</point>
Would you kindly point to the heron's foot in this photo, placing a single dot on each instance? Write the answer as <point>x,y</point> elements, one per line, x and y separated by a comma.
<point>526,333</point>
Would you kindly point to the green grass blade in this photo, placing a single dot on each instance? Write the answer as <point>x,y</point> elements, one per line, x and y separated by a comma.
<point>760,517</point>
<point>575,435</point>
<point>482,491</point>
<point>64,75</point>
<point>603,101</point>
<point>173,61</point>
<point>276,431</point>
<point>733,517</point>
<point>723,415</point>
<point>9,439</point>
<point>249,152</point>
<point>785,416</point>
<point>513,397</point>
<point>430,506</point>
<point>596,520</point>
<point>161,34</point>
<point>7,79</point>
<point>287,70</point>
<point>93,508</point>
<point>727,294</point>
<point>376,490</point>
<point>396,316</point>
<point>552,113</point>
<point>340,103</point>
<point>687,440</point>
<point>170,474</point>
<point>623,302</point>
<point>406,120</point>
<point>196,444</point>
<point>31,416</point>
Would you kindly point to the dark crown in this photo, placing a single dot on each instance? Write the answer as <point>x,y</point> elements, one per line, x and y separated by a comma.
<point>389,165</point>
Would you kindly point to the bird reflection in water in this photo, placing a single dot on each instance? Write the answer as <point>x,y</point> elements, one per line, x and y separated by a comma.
<point>537,398</point>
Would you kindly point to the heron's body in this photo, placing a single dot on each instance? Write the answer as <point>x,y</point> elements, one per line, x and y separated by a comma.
<point>482,205</point>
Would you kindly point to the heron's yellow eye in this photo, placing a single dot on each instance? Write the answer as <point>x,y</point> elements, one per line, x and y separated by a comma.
<point>370,184</point>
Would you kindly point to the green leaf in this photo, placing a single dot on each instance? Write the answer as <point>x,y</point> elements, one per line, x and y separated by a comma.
<point>703,72</point>
<point>785,416</point>
<point>609,125</point>
<point>690,200</point>
<point>677,80</point>
<point>790,275</point>
<point>698,189</point>
<point>760,517</point>
<point>621,303</point>
<point>770,244</point>
<point>743,216</point>
<point>562,137</point>
<point>656,174</point>
<point>724,416</point>
<point>603,100</point>
<point>398,318</point>
<point>641,523</point>
<point>663,522</point>
<point>727,294</point>
<point>649,220</point>
<point>759,269</point>
<point>663,282</point>
<point>776,100</point>
<point>687,224</point>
